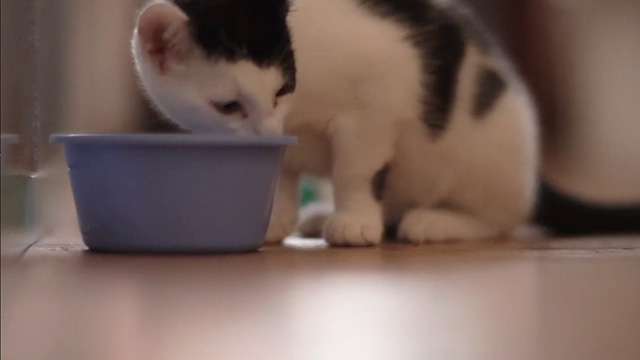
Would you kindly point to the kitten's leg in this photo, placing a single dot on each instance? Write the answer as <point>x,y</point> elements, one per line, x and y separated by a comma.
<point>285,208</point>
<point>422,225</point>
<point>362,146</point>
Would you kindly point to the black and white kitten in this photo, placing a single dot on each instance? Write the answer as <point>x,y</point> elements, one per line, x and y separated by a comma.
<point>406,105</point>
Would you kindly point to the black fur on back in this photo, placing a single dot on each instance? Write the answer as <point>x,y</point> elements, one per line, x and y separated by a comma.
<point>254,30</point>
<point>567,214</point>
<point>442,41</point>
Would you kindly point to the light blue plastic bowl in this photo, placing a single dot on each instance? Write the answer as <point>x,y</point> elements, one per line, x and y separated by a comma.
<point>173,192</point>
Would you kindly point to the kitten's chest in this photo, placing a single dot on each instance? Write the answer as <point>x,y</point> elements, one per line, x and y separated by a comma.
<point>349,59</point>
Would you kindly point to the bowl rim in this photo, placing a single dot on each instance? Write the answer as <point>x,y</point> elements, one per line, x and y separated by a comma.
<point>174,139</point>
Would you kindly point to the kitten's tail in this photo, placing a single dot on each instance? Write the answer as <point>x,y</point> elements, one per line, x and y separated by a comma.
<point>567,214</point>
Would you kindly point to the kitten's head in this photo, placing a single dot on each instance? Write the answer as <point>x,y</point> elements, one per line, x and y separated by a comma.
<point>207,63</point>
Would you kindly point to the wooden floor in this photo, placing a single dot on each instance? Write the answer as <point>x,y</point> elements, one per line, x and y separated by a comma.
<point>530,299</point>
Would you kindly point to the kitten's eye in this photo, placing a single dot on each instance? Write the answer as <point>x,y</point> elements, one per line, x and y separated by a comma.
<point>228,108</point>
<point>284,90</point>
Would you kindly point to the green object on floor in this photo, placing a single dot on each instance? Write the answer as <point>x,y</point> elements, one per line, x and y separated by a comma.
<point>308,191</point>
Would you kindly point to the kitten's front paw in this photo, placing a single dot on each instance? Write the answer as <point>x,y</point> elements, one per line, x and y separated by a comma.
<point>280,226</point>
<point>344,229</point>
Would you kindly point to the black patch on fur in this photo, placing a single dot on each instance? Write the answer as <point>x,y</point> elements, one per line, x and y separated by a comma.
<point>491,86</point>
<point>441,40</point>
<point>254,30</point>
<point>379,182</point>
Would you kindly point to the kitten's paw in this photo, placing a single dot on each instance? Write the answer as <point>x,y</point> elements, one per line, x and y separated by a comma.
<point>433,225</point>
<point>417,228</point>
<point>344,229</point>
<point>280,226</point>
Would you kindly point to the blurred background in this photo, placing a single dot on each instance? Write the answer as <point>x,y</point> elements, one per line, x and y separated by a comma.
<point>66,67</point>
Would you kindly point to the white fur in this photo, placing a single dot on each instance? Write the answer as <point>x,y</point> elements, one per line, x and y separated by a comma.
<point>356,108</point>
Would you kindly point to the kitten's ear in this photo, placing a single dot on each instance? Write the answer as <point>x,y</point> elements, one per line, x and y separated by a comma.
<point>164,34</point>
